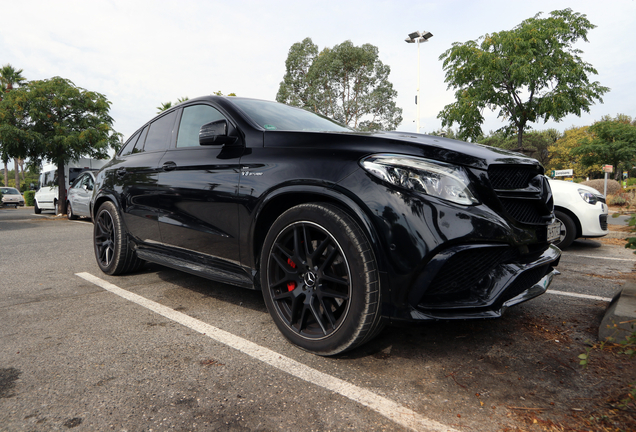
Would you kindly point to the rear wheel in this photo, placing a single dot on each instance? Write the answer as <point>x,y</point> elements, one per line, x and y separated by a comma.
<point>112,249</point>
<point>69,211</point>
<point>320,279</point>
<point>568,230</point>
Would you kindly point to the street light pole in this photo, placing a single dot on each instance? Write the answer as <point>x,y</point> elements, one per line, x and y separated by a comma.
<point>418,37</point>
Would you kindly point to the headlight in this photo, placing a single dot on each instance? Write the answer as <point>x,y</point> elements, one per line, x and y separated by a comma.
<point>424,176</point>
<point>587,196</point>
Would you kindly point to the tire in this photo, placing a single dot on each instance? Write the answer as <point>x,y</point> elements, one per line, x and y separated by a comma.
<point>112,248</point>
<point>568,230</point>
<point>36,209</point>
<point>320,280</point>
<point>69,211</point>
<point>56,208</point>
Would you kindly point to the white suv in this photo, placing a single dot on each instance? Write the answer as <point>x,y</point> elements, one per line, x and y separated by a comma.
<point>581,210</point>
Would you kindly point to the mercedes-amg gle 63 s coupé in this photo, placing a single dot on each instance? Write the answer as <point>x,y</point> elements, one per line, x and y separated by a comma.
<point>342,231</point>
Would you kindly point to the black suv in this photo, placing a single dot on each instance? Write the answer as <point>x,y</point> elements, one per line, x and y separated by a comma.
<point>341,230</point>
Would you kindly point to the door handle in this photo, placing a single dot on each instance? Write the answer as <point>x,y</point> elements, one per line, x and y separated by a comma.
<point>169,166</point>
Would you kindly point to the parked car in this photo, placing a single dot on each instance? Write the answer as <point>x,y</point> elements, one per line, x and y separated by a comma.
<point>79,195</point>
<point>11,197</point>
<point>580,210</point>
<point>342,230</point>
<point>46,195</point>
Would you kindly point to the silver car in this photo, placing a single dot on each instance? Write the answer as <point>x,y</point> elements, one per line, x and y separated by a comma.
<point>79,195</point>
<point>11,197</point>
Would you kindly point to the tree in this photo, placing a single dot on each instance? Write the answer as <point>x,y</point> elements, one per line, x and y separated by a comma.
<point>534,144</point>
<point>347,83</point>
<point>529,73</point>
<point>55,120</point>
<point>562,154</point>
<point>10,77</point>
<point>613,142</point>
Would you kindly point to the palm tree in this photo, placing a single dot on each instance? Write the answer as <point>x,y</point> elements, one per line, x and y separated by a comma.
<point>10,77</point>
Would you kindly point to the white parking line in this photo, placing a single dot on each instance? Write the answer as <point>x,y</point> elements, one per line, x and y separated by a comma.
<point>584,296</point>
<point>600,257</point>
<point>383,406</point>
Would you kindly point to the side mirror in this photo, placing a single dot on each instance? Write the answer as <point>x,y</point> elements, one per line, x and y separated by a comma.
<point>215,133</point>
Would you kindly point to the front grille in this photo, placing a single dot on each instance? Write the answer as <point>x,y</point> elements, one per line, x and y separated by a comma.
<point>603,221</point>
<point>511,177</point>
<point>523,211</point>
<point>523,192</point>
<point>465,269</point>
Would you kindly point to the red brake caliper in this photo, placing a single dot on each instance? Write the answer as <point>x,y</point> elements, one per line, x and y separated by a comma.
<point>291,285</point>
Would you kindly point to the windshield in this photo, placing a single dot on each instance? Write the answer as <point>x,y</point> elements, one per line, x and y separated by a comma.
<point>276,116</point>
<point>9,191</point>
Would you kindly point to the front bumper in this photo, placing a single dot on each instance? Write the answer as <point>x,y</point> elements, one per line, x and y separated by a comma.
<point>594,220</point>
<point>485,294</point>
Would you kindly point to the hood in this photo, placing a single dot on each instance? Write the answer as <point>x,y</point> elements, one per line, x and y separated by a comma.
<point>431,147</point>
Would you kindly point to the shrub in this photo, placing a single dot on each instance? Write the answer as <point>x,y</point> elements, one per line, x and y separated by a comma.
<point>613,187</point>
<point>617,200</point>
<point>631,182</point>
<point>29,198</point>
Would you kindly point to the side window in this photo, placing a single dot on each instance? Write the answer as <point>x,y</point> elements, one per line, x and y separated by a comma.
<point>139,147</point>
<point>78,182</point>
<point>73,173</point>
<point>130,144</point>
<point>191,121</point>
<point>50,179</point>
<point>160,133</point>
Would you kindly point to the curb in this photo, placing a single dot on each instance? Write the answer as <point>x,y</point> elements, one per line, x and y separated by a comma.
<point>620,317</point>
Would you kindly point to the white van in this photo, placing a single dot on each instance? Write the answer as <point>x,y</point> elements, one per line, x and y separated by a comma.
<point>46,194</point>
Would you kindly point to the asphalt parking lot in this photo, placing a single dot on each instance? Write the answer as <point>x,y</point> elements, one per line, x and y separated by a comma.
<point>164,350</point>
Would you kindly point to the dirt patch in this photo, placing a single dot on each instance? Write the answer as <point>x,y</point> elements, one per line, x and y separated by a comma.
<point>612,241</point>
<point>8,377</point>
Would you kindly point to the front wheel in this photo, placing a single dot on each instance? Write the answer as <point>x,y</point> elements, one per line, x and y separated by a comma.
<point>36,209</point>
<point>320,279</point>
<point>112,249</point>
<point>568,230</point>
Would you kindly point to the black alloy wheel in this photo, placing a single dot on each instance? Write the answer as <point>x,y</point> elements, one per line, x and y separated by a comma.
<point>320,280</point>
<point>112,250</point>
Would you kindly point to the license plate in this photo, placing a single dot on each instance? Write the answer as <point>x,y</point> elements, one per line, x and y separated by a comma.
<point>554,231</point>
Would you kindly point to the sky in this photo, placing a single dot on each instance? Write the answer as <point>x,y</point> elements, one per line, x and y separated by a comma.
<point>140,53</point>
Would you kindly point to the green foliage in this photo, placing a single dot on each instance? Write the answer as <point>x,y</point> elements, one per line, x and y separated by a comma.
<point>29,198</point>
<point>534,143</point>
<point>57,121</point>
<point>167,105</point>
<point>54,120</point>
<point>563,156</point>
<point>529,73</point>
<point>613,142</point>
<point>347,83</point>
<point>9,77</point>
<point>617,200</point>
